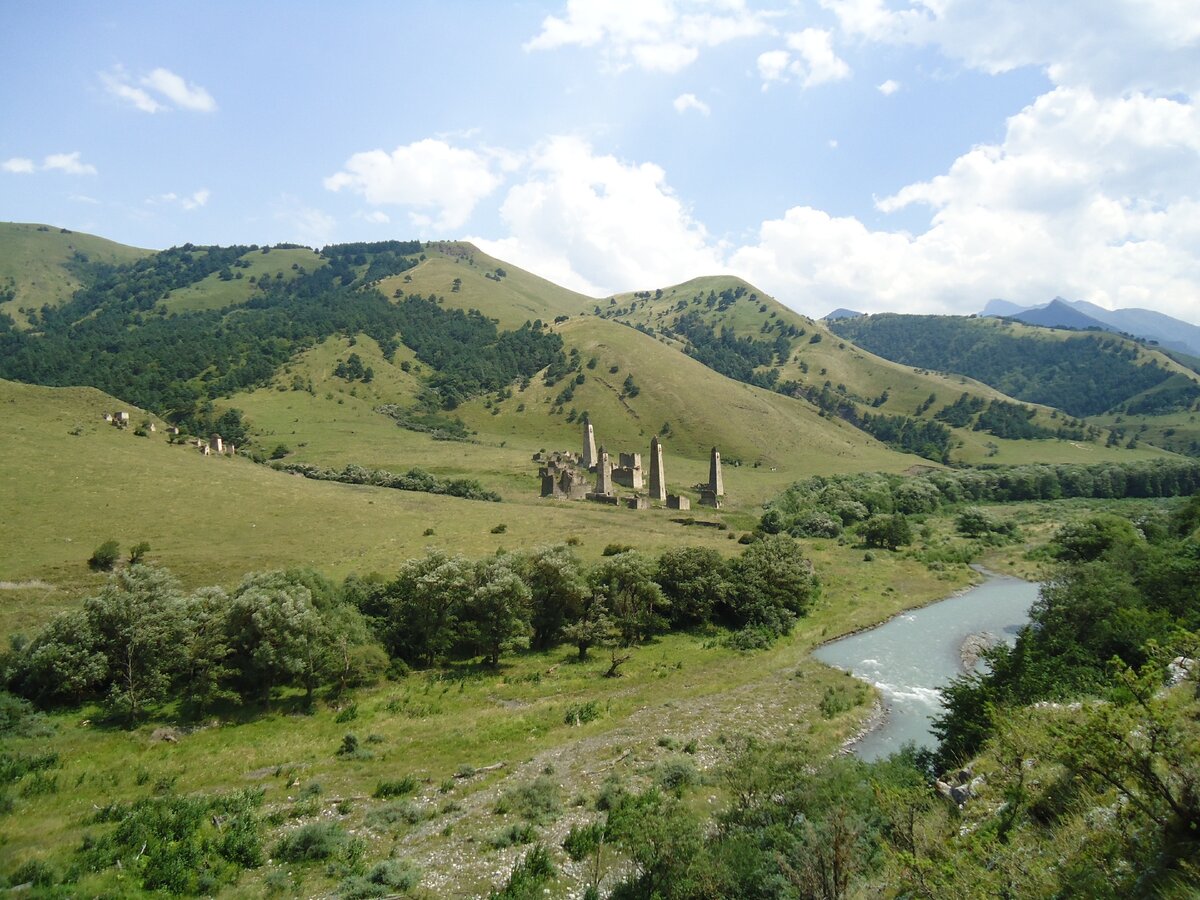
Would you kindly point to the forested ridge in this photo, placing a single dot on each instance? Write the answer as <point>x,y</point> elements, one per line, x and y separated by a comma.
<point>114,335</point>
<point>1083,374</point>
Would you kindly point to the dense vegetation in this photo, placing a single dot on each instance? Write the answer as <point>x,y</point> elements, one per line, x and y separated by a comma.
<point>142,643</point>
<point>413,480</point>
<point>822,507</point>
<point>1085,374</point>
<point>114,335</point>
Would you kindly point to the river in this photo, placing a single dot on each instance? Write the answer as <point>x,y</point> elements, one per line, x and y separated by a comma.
<point>913,654</point>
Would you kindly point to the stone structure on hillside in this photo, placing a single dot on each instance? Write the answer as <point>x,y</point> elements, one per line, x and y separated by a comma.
<point>628,472</point>
<point>711,493</point>
<point>561,478</point>
<point>565,476</point>
<point>658,479</point>
<point>217,445</point>
<point>589,444</point>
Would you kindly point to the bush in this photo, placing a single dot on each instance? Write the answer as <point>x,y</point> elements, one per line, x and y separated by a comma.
<point>579,713</point>
<point>316,841</point>
<point>527,876</point>
<point>582,840</point>
<point>398,812</point>
<point>499,529</point>
<point>676,774</point>
<point>392,876</point>
<point>105,556</point>
<point>535,801</point>
<point>399,788</point>
<point>513,835</point>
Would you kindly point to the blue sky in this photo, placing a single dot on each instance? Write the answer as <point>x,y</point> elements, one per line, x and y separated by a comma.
<point>909,155</point>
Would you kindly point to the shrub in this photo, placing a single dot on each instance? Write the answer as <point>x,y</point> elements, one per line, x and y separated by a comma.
<point>389,877</point>
<point>513,835</point>
<point>527,876</point>
<point>316,841</point>
<point>535,801</point>
<point>579,713</point>
<point>582,840</point>
<point>400,788</point>
<point>105,556</point>
<point>499,529</point>
<point>398,812</point>
<point>676,774</point>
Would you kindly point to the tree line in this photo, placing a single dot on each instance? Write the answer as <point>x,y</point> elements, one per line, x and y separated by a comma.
<point>1082,374</point>
<point>114,335</point>
<point>144,644</point>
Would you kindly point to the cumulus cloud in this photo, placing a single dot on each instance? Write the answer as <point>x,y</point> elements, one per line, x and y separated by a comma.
<point>1112,47</point>
<point>656,35</point>
<point>191,201</point>
<point>889,87</point>
<point>69,163</point>
<point>441,183</point>
<point>18,165</point>
<point>177,92</point>
<point>684,102</point>
<point>598,224</point>
<point>814,62</point>
<point>1083,198</point>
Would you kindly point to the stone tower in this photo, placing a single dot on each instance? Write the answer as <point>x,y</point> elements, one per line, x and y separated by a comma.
<point>715,484</point>
<point>589,444</point>
<point>604,482</point>
<point>658,480</point>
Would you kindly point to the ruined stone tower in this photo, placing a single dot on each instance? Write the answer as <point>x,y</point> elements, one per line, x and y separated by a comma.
<point>604,482</point>
<point>711,493</point>
<point>589,443</point>
<point>715,484</point>
<point>658,480</point>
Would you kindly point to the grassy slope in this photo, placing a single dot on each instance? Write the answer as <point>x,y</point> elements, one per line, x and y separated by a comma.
<point>213,293</point>
<point>864,375</point>
<point>518,297</point>
<point>34,262</point>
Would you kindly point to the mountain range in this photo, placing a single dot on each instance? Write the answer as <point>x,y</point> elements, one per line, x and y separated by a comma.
<point>1168,332</point>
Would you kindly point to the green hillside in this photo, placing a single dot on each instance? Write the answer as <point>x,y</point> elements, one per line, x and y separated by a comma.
<point>237,284</point>
<point>1081,373</point>
<point>727,323</point>
<point>42,265</point>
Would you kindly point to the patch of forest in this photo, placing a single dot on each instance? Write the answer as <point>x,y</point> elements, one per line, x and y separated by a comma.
<point>113,335</point>
<point>1084,375</point>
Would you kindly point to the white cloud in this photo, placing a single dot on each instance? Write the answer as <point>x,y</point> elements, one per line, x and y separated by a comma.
<point>377,217</point>
<point>1112,47</point>
<point>833,144</point>
<point>83,198</point>
<point>443,183</point>
<point>597,224</point>
<point>656,35</point>
<point>169,86</point>
<point>180,92</point>
<point>116,84</point>
<point>817,63</point>
<point>684,102</point>
<point>69,163</point>
<point>1088,197</point>
<point>191,201</point>
<point>18,165</point>
<point>814,63</point>
<point>889,87</point>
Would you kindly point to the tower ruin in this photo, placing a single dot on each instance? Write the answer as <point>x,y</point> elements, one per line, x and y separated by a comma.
<point>589,443</point>
<point>658,479</point>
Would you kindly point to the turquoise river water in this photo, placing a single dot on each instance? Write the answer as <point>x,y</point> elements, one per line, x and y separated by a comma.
<point>913,654</point>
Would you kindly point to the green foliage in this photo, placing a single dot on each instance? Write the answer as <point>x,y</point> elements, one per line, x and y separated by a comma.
<point>1085,374</point>
<point>535,801</point>
<point>105,556</point>
<point>181,845</point>
<point>317,841</point>
<point>771,585</point>
<point>528,877</point>
<point>399,788</point>
<point>413,480</point>
<point>888,531</point>
<point>512,836</point>
<point>583,840</point>
<point>387,878</point>
<point>581,713</point>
